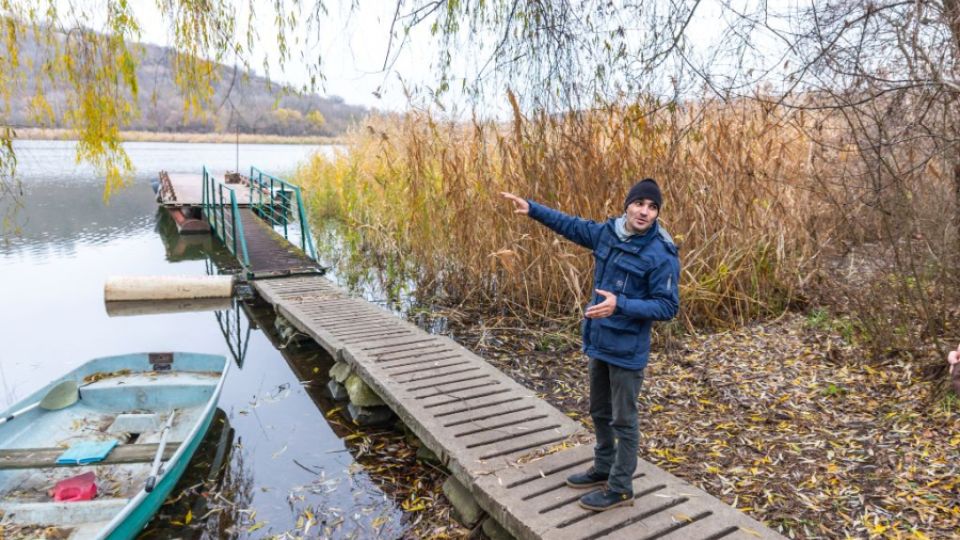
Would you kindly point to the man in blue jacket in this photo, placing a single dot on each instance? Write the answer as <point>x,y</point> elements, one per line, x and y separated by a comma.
<point>636,282</point>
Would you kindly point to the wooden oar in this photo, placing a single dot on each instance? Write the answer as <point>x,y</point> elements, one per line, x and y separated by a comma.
<point>59,397</point>
<point>156,469</point>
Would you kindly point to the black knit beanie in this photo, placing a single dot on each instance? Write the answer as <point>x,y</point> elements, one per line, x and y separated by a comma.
<point>644,189</point>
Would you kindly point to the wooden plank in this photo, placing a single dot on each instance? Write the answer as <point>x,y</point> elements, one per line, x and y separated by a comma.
<point>42,458</point>
<point>188,189</point>
<point>662,506</point>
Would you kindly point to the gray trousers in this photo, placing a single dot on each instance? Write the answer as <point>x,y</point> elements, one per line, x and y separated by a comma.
<point>613,407</point>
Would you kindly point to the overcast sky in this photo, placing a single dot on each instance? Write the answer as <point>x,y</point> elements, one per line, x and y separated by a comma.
<point>353,45</point>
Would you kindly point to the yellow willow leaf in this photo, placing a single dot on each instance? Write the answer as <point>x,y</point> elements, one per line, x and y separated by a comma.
<point>414,507</point>
<point>256,526</point>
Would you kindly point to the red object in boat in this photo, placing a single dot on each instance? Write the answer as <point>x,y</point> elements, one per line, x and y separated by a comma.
<point>81,487</point>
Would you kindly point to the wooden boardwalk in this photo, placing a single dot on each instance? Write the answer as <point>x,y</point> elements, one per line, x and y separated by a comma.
<point>512,449</point>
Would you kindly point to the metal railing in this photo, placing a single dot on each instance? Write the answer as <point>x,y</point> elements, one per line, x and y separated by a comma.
<point>271,198</point>
<point>227,225</point>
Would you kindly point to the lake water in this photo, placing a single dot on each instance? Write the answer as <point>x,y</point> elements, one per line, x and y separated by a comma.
<point>273,446</point>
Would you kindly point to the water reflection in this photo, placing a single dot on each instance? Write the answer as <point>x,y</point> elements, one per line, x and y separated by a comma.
<point>372,513</point>
<point>186,247</point>
<point>232,322</point>
<point>278,456</point>
<point>128,308</point>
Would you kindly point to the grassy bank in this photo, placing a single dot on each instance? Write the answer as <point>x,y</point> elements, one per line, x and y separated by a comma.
<point>51,134</point>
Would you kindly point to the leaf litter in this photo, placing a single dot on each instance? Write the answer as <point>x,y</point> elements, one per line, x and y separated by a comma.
<point>784,421</point>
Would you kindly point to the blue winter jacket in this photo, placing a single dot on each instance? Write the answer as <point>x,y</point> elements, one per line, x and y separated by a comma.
<point>642,271</point>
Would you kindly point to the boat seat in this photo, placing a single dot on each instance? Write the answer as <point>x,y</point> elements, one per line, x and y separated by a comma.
<point>62,513</point>
<point>42,458</point>
<point>150,391</point>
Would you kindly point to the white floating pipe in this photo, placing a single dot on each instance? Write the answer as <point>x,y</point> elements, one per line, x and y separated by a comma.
<point>167,288</point>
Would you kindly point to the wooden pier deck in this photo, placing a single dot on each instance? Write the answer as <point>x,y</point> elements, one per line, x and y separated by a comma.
<point>270,253</point>
<point>186,189</point>
<point>511,449</point>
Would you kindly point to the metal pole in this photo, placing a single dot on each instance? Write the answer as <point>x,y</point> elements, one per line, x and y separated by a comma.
<point>243,238</point>
<point>273,206</point>
<point>283,209</point>
<point>222,226</point>
<point>234,222</point>
<point>303,224</point>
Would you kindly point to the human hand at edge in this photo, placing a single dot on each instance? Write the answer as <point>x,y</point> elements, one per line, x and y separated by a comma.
<point>605,308</point>
<point>520,206</point>
<point>954,359</point>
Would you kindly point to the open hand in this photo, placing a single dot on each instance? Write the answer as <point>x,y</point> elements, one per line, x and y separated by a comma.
<point>520,206</point>
<point>605,308</point>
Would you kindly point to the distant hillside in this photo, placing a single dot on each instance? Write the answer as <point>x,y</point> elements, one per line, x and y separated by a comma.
<point>256,108</point>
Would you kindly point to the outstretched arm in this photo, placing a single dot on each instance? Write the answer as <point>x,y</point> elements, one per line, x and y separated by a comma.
<point>578,230</point>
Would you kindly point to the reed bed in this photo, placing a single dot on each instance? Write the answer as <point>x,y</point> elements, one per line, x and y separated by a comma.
<point>751,197</point>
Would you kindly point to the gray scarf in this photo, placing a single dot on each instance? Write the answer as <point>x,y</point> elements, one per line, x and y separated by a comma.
<point>621,227</point>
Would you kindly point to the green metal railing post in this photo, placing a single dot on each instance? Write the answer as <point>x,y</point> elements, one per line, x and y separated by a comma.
<point>222,226</point>
<point>233,221</point>
<point>238,230</point>
<point>279,191</point>
<point>251,185</point>
<point>306,240</point>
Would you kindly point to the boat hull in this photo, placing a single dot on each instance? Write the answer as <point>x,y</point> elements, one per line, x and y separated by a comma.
<point>134,394</point>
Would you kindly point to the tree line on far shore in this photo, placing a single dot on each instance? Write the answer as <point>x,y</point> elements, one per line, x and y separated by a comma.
<point>243,103</point>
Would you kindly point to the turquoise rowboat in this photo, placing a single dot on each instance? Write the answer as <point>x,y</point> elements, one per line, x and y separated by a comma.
<point>156,406</point>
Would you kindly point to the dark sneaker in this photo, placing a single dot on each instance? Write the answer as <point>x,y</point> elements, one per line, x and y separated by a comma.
<point>587,479</point>
<point>604,499</point>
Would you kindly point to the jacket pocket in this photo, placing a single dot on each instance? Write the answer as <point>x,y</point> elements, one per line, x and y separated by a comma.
<point>631,276</point>
<point>618,335</point>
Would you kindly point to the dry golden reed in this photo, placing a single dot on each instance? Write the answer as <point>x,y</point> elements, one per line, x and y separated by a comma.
<point>427,193</point>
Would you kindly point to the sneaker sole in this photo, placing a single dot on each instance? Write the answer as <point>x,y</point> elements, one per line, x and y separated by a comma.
<point>583,486</point>
<point>628,502</point>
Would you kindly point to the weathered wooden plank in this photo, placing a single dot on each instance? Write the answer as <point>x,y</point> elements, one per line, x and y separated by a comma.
<point>434,356</point>
<point>42,458</point>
